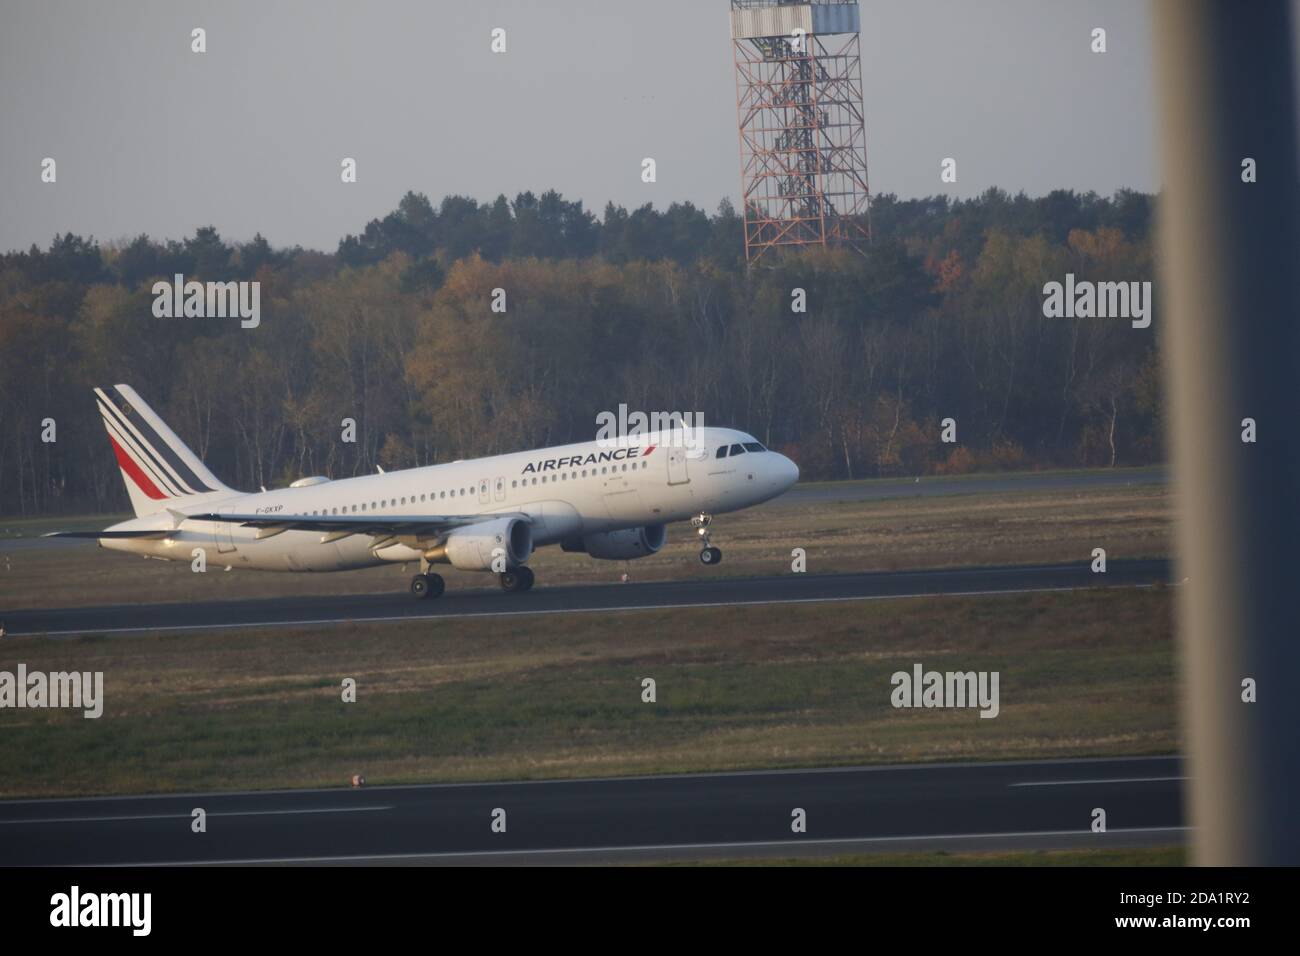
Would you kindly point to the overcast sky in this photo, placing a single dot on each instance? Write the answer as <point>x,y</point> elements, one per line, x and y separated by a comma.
<point>149,137</point>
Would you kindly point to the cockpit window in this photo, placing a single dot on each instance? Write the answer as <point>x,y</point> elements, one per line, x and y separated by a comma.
<point>737,450</point>
<point>754,446</point>
<point>722,452</point>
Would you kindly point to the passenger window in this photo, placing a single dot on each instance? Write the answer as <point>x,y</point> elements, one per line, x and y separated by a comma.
<point>722,451</point>
<point>363,506</point>
<point>737,450</point>
<point>754,446</point>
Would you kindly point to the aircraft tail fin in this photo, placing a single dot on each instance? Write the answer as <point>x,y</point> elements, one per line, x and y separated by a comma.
<point>158,468</point>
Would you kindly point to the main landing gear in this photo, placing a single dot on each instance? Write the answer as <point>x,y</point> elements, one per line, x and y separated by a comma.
<point>427,586</point>
<point>708,555</point>
<point>517,580</point>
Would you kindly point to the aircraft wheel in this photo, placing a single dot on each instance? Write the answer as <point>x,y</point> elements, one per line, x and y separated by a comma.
<point>710,556</point>
<point>516,580</point>
<point>427,586</point>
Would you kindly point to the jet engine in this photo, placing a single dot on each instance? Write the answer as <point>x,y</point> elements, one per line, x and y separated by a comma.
<point>620,545</point>
<point>473,547</point>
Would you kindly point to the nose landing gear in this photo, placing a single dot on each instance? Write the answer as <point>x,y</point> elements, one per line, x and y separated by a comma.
<point>708,554</point>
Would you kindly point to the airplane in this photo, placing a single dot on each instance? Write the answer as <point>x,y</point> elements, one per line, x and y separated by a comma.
<point>610,499</point>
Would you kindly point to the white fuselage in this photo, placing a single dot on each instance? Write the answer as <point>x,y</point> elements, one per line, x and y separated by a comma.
<point>566,492</point>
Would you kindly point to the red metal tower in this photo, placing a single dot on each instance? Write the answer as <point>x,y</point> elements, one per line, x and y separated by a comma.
<point>803,151</point>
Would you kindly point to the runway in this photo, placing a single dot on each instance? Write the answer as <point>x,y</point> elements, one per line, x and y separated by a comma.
<point>1026,482</point>
<point>319,611</point>
<point>925,806</point>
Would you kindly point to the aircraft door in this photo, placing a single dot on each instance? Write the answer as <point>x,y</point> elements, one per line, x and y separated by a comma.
<point>500,489</point>
<point>677,473</point>
<point>223,535</point>
<point>484,492</point>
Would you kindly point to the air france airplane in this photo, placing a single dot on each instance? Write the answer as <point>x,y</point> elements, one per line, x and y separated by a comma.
<point>609,499</point>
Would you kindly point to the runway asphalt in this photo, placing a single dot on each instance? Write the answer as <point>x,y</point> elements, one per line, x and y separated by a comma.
<point>925,806</point>
<point>320,611</point>
<point>939,486</point>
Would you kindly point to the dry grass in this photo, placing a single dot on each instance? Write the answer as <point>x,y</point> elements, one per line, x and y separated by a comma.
<point>1083,673</point>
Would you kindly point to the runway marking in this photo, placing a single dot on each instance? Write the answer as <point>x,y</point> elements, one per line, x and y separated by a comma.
<point>643,848</point>
<point>1073,783</point>
<point>741,602</point>
<point>186,816</point>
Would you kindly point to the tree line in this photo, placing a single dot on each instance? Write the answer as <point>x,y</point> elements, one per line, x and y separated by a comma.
<point>940,318</point>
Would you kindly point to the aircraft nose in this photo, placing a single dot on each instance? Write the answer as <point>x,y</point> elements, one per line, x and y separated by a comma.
<point>789,471</point>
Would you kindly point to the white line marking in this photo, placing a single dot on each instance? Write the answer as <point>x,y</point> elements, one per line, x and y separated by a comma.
<point>775,844</point>
<point>186,816</point>
<point>1080,783</point>
<point>743,602</point>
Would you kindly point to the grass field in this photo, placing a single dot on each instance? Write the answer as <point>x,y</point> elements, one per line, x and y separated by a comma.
<point>1082,673</point>
<point>838,535</point>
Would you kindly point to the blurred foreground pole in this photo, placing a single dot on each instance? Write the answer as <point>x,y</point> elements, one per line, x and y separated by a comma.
<point>1229,267</point>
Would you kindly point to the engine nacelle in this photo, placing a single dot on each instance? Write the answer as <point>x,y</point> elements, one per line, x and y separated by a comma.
<point>620,545</point>
<point>473,547</point>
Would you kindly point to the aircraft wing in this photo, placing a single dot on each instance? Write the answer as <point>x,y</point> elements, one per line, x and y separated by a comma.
<point>342,525</point>
<point>108,534</point>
